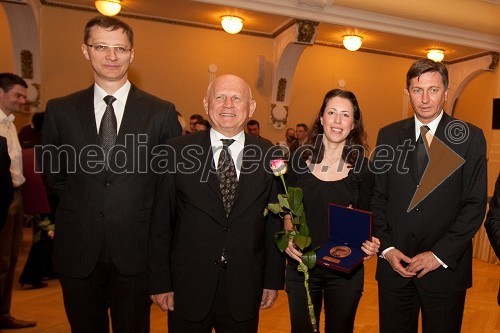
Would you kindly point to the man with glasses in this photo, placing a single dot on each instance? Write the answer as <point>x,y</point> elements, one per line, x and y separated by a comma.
<point>97,154</point>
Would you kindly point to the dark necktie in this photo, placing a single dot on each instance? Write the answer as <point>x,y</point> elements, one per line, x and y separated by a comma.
<point>226,172</point>
<point>107,129</point>
<point>422,158</point>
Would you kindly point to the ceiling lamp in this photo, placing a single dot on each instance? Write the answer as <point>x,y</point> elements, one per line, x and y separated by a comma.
<point>352,42</point>
<point>435,54</point>
<point>231,24</point>
<point>108,7</point>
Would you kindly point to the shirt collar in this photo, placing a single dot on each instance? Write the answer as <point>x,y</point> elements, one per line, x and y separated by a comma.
<point>215,137</point>
<point>6,118</point>
<point>120,95</point>
<point>432,125</point>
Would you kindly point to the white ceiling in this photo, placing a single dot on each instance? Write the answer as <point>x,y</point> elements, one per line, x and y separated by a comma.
<point>463,28</point>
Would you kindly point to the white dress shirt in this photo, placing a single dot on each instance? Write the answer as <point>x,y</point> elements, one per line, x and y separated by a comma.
<point>236,148</point>
<point>8,130</point>
<point>118,105</point>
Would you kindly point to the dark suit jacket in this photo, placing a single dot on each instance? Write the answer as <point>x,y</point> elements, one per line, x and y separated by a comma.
<point>492,223</point>
<point>6,191</point>
<point>445,221</point>
<point>98,206</point>
<point>198,229</point>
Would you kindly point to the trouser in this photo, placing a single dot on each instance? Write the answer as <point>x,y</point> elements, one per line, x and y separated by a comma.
<point>10,240</point>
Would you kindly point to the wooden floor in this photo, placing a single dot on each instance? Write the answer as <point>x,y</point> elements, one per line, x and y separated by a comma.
<point>482,314</point>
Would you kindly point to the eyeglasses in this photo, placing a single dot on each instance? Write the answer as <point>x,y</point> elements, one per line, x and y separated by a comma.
<point>102,48</point>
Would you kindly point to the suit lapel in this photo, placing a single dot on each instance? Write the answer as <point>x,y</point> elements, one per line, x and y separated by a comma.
<point>86,115</point>
<point>131,116</point>
<point>408,135</point>
<point>209,172</point>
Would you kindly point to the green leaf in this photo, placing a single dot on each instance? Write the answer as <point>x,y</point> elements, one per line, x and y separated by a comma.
<point>274,207</point>
<point>302,241</point>
<point>299,210</point>
<point>295,197</point>
<point>283,201</point>
<point>36,236</point>
<point>281,240</point>
<point>304,229</point>
<point>296,220</point>
<point>309,259</point>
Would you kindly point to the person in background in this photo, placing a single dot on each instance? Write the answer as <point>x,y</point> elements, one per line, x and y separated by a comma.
<point>492,223</point>
<point>13,95</point>
<point>330,168</point>
<point>182,122</point>
<point>253,128</point>
<point>285,145</point>
<point>426,247</point>
<point>219,263</point>
<point>301,134</point>
<point>202,125</point>
<point>38,265</point>
<point>31,134</point>
<point>108,200</point>
<point>193,120</point>
<point>7,191</point>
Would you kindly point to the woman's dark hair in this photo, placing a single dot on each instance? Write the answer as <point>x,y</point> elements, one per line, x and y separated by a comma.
<point>355,142</point>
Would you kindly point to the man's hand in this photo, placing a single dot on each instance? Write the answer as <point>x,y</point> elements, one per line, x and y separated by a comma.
<point>423,263</point>
<point>268,298</point>
<point>164,301</point>
<point>394,257</point>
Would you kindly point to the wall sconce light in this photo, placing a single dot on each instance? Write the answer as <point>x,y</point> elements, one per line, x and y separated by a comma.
<point>352,42</point>
<point>231,24</point>
<point>108,7</point>
<point>435,54</point>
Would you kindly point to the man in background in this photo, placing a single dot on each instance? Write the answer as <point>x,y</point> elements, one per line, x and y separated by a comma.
<point>253,128</point>
<point>107,194</point>
<point>289,138</point>
<point>301,134</point>
<point>7,190</point>
<point>193,120</point>
<point>13,95</point>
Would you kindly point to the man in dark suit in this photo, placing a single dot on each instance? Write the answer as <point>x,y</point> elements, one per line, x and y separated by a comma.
<point>492,223</point>
<point>98,145</point>
<point>5,182</point>
<point>223,262</point>
<point>426,261</point>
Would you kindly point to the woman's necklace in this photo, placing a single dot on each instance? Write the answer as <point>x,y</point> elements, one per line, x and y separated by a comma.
<point>327,165</point>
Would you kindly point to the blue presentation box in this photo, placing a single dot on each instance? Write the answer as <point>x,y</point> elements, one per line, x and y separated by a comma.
<point>348,228</point>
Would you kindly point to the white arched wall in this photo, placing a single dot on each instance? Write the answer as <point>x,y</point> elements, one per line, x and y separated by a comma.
<point>288,48</point>
<point>23,21</point>
<point>463,72</point>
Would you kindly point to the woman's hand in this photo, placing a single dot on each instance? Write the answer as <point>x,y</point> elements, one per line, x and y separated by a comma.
<point>287,223</point>
<point>370,248</point>
<point>293,252</point>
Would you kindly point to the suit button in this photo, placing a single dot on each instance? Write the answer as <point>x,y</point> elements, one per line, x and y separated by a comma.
<point>226,229</point>
<point>101,214</point>
<point>417,210</point>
